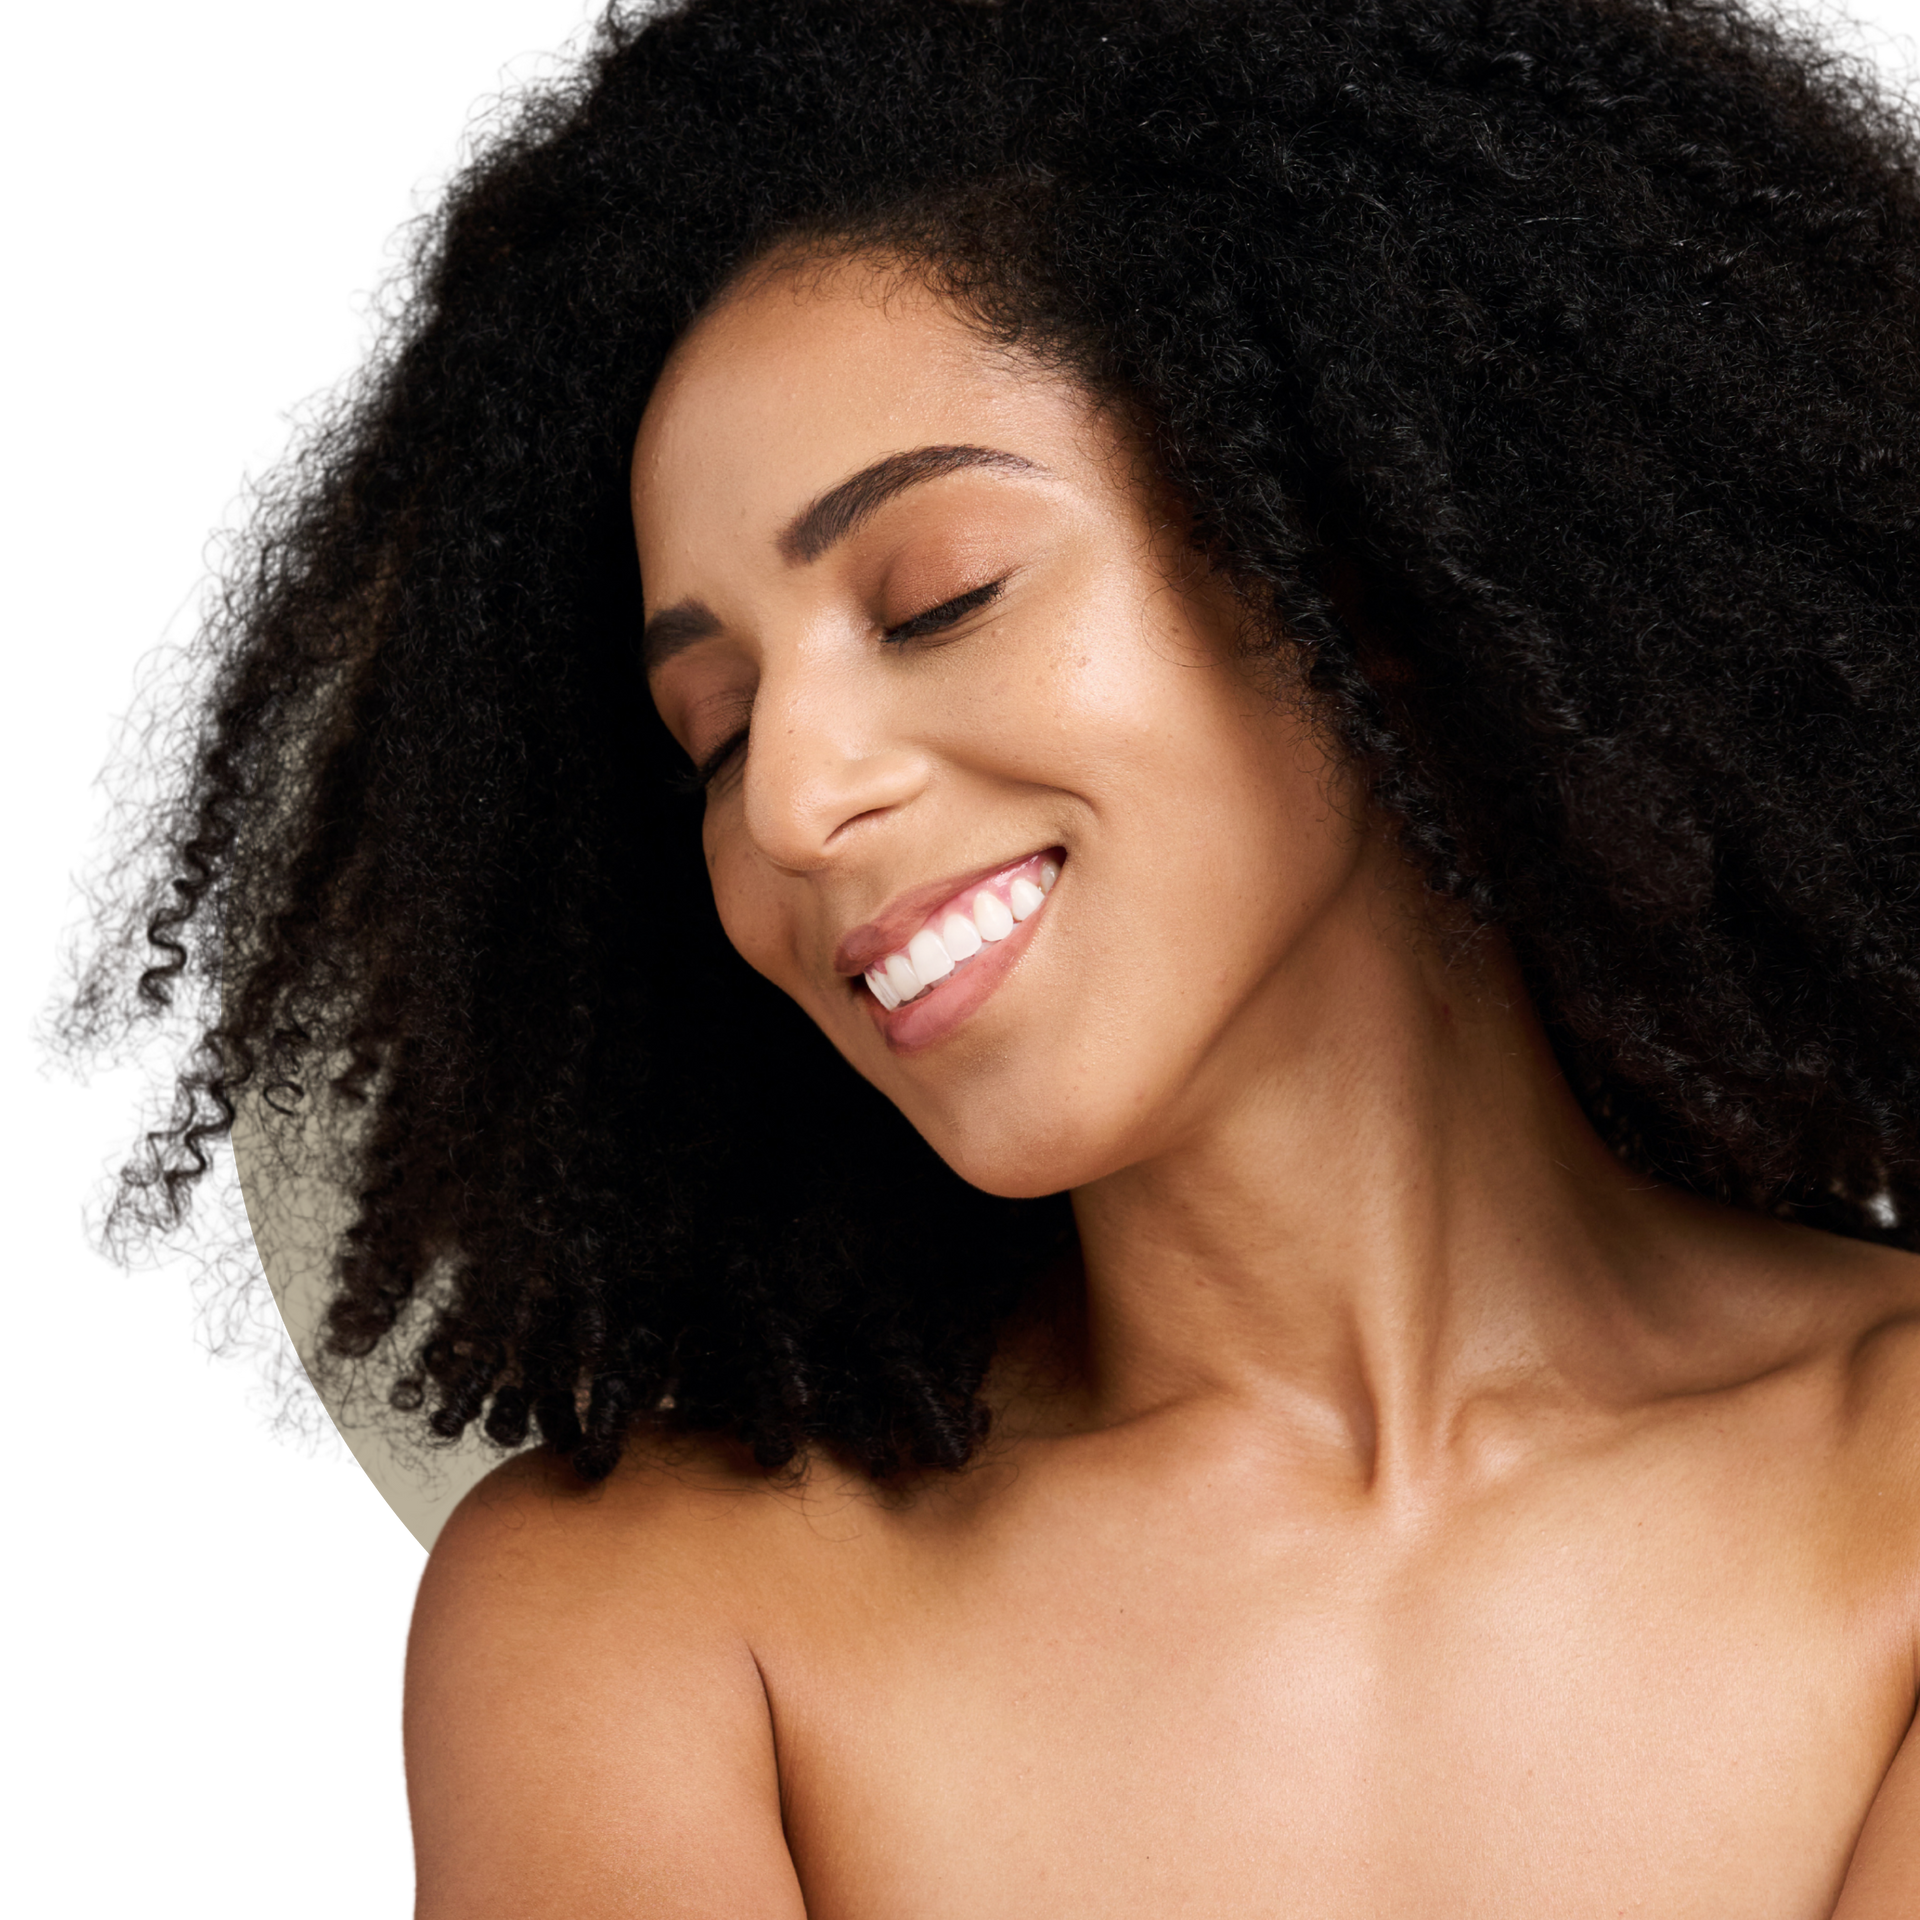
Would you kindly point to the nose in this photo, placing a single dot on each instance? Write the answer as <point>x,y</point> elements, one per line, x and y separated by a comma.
<point>821,758</point>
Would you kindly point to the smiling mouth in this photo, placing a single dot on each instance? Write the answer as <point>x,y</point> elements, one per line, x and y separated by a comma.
<point>980,915</point>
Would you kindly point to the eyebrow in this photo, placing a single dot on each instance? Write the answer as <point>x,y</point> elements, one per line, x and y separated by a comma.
<point>840,509</point>
<point>675,627</point>
<point>822,525</point>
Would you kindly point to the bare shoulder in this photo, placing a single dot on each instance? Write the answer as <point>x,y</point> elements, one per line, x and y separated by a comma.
<point>586,1727</point>
<point>1761,1298</point>
<point>1880,1427</point>
<point>1803,1348</point>
<point>671,1515</point>
<point>1882,1534</point>
<point>1844,1317</point>
<point>1871,1307</point>
<point>1858,1306</point>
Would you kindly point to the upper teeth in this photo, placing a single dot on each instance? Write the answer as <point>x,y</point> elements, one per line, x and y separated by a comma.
<point>938,948</point>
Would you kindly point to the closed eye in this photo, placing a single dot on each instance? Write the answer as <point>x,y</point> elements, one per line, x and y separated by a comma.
<point>710,769</point>
<point>697,778</point>
<point>948,613</point>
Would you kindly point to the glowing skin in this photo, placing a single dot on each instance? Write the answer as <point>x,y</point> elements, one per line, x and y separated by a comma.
<point>1404,1511</point>
<point>1341,1222</point>
<point>1091,706</point>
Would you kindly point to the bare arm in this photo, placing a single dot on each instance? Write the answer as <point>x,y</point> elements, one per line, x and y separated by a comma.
<point>586,1730</point>
<point>1883,1878</point>
<point>1883,1883</point>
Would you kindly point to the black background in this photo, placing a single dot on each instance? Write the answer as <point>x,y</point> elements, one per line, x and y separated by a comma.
<point>221,1609</point>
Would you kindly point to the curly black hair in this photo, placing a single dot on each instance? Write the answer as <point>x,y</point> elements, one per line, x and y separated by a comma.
<point>1545,372</point>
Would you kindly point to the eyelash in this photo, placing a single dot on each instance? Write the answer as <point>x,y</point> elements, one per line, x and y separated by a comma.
<point>947,614</point>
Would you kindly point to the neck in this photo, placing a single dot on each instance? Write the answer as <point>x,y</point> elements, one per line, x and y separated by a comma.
<point>1381,1205</point>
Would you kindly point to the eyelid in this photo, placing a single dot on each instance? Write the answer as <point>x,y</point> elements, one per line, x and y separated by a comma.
<point>733,708</point>
<point>948,613</point>
<point>701,777</point>
<point>715,764</point>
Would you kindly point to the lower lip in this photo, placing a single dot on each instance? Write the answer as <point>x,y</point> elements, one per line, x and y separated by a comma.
<point>936,1013</point>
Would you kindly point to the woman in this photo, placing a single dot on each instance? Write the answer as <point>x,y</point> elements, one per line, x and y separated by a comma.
<point>1291,1293</point>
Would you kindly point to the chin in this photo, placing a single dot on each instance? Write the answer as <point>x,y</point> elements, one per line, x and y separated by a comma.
<point>1018,1163</point>
<point>1007,1181</point>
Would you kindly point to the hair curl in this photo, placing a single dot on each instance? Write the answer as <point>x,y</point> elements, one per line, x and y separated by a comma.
<point>1546,371</point>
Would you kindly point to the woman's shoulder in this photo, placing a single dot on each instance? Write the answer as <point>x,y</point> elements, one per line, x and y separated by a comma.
<point>1854,1308</point>
<point>1876,1371</point>
<point>672,1505</point>
<point>1776,1367</point>
<point>1882,1341</point>
<point>1836,1319</point>
<point>1835,1376</point>
<point>580,1675</point>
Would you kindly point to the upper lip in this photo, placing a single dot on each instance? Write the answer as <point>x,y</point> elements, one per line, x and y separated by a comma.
<point>903,917</point>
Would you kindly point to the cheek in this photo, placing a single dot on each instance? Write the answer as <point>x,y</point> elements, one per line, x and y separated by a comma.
<point>745,895</point>
<point>1075,701</point>
<point>1206,779</point>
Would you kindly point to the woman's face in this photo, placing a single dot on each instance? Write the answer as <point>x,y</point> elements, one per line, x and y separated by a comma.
<point>994,798</point>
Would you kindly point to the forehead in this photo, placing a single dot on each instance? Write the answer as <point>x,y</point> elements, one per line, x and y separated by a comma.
<point>803,376</point>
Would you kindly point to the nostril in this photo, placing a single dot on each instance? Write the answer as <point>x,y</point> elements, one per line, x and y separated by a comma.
<point>805,790</point>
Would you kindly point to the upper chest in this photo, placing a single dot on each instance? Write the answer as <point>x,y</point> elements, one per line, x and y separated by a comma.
<point>1667,1677</point>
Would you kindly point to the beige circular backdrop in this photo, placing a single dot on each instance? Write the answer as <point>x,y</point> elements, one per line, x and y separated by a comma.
<point>298,1208</point>
<point>298,1218</point>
